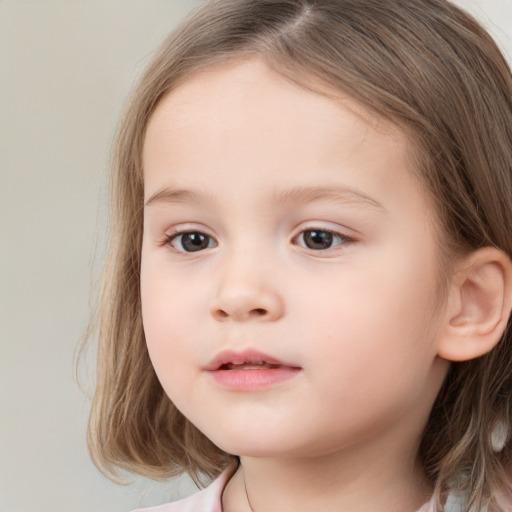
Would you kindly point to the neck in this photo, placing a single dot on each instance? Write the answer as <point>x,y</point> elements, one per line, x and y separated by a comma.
<point>333,483</point>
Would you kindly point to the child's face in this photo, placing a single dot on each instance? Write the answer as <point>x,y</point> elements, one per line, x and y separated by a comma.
<point>284,223</point>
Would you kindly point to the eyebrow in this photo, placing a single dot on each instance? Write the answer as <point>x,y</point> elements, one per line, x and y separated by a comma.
<point>173,196</point>
<point>303,195</point>
<point>296,196</point>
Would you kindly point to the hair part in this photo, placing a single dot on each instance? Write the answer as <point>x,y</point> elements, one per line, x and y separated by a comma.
<point>424,65</point>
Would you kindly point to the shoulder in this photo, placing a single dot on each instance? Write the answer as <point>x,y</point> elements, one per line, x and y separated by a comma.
<point>206,500</point>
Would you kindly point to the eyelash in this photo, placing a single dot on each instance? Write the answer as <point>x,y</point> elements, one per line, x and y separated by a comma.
<point>342,239</point>
<point>331,236</point>
<point>171,238</point>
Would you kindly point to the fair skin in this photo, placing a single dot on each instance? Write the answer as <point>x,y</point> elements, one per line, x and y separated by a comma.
<point>281,221</point>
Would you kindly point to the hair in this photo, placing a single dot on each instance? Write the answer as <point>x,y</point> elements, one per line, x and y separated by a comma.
<point>426,66</point>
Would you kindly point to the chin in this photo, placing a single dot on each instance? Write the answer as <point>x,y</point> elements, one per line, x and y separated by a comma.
<point>251,445</point>
<point>265,446</point>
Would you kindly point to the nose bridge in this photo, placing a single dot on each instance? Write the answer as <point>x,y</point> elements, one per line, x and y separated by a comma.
<point>246,287</point>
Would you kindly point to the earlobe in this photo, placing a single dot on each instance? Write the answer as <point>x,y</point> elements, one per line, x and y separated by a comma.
<point>479,305</point>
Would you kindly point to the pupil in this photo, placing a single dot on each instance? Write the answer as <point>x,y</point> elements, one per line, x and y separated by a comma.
<point>194,242</point>
<point>318,239</point>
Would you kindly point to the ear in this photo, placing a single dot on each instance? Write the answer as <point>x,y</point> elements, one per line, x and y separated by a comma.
<point>478,305</point>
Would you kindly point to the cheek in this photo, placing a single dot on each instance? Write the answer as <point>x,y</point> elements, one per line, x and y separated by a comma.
<point>377,327</point>
<point>167,323</point>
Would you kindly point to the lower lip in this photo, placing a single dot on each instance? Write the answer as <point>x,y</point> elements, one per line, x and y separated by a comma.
<point>253,380</point>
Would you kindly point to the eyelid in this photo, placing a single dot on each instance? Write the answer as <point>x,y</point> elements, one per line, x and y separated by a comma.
<point>188,227</point>
<point>329,227</point>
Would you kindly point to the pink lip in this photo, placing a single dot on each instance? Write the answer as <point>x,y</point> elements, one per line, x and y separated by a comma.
<point>223,369</point>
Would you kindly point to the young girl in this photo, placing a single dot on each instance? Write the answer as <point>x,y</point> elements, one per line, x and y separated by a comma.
<point>309,279</point>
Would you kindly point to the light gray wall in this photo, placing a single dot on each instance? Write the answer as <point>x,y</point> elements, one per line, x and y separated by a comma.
<point>65,69</point>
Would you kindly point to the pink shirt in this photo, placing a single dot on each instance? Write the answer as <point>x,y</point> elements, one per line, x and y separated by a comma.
<point>210,499</point>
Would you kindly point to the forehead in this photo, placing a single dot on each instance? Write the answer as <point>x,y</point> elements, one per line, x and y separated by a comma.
<point>220,88</point>
<point>244,124</point>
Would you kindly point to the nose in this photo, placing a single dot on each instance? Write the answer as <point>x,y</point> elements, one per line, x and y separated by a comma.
<point>244,295</point>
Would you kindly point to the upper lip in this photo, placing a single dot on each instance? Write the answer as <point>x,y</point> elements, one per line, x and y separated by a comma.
<point>245,356</point>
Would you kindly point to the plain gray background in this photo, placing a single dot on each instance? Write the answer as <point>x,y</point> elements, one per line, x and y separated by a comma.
<point>66,68</point>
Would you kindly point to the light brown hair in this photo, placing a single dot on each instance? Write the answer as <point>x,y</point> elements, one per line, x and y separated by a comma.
<point>426,66</point>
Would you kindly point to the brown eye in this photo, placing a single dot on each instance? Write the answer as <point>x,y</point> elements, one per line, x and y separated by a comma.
<point>192,241</point>
<point>320,239</point>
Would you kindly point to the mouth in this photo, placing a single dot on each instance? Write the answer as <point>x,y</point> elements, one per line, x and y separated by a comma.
<point>249,370</point>
<point>248,365</point>
<point>245,360</point>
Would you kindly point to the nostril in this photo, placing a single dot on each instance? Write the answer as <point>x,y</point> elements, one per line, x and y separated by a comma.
<point>241,312</point>
<point>256,312</point>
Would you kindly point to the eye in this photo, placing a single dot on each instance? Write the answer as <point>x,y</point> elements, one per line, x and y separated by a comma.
<point>320,239</point>
<point>191,241</point>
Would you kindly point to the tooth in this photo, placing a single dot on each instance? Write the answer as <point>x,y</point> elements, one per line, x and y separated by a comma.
<point>238,363</point>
